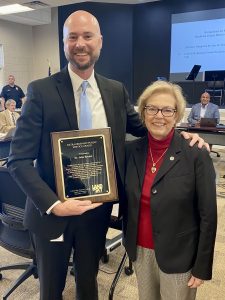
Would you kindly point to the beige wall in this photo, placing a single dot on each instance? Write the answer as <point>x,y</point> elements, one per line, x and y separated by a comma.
<point>18,52</point>
<point>27,49</point>
<point>46,47</point>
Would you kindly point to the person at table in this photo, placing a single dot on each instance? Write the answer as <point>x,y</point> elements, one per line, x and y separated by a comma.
<point>204,109</point>
<point>171,216</point>
<point>12,91</point>
<point>8,117</point>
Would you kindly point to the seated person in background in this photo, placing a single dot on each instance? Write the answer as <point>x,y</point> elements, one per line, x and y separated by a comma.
<point>205,109</point>
<point>8,117</point>
<point>12,91</point>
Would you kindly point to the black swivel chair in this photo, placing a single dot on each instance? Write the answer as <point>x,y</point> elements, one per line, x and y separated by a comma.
<point>13,236</point>
<point>128,271</point>
<point>216,90</point>
<point>212,151</point>
<point>4,148</point>
<point>112,244</point>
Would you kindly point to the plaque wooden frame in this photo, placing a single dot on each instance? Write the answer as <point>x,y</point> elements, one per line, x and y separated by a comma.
<point>78,151</point>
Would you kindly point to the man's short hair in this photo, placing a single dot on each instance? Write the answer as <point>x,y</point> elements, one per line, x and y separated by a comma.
<point>9,101</point>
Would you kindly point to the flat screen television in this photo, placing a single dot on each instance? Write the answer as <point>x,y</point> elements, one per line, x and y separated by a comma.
<point>214,75</point>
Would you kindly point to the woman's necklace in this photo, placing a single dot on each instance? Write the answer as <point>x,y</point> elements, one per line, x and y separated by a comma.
<point>153,168</point>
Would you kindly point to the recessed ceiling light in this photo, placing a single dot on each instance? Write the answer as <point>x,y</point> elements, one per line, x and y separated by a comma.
<point>13,8</point>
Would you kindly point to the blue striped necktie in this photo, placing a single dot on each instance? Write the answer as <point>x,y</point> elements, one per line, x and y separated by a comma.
<point>85,109</point>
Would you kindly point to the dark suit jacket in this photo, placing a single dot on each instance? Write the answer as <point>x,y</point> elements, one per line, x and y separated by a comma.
<point>183,206</point>
<point>50,107</point>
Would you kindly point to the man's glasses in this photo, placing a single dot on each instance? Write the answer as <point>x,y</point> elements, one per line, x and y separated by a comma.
<point>166,111</point>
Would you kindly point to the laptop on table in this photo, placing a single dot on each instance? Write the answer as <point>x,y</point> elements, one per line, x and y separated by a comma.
<point>208,122</point>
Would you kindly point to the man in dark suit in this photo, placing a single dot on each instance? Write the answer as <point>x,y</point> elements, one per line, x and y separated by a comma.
<point>53,105</point>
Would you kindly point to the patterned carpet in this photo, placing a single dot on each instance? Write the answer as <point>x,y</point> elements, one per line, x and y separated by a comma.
<point>126,287</point>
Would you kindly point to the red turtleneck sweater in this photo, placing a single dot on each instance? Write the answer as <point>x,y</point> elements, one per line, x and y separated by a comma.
<point>145,237</point>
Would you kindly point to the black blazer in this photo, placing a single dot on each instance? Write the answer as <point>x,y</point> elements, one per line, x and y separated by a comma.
<point>183,206</point>
<point>50,107</point>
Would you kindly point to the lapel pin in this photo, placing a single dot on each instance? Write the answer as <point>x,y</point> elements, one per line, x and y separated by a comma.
<point>171,157</point>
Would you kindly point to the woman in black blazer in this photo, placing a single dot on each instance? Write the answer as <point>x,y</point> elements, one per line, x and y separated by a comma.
<point>170,218</point>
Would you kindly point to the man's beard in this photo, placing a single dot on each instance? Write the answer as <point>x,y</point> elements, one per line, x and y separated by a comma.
<point>83,67</point>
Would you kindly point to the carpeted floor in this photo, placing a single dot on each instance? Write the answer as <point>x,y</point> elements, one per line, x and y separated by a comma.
<point>126,287</point>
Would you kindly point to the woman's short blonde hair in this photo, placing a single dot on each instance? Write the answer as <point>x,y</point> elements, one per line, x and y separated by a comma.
<point>159,87</point>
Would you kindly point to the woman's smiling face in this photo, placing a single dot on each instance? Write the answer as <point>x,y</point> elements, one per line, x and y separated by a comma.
<point>159,125</point>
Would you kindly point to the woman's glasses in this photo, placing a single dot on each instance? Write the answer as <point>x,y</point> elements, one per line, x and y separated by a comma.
<point>165,111</point>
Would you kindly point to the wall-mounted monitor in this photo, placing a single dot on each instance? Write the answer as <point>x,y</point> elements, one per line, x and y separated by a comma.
<point>214,75</point>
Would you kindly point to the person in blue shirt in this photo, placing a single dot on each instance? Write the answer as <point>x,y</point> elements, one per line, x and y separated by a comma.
<point>204,109</point>
<point>12,91</point>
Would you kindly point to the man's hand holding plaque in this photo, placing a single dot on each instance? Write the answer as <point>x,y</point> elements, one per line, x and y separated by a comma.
<point>72,208</point>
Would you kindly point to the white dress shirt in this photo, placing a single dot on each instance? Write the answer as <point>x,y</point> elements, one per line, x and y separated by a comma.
<point>203,110</point>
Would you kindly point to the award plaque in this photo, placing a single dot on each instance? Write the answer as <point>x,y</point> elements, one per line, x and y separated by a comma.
<point>84,165</point>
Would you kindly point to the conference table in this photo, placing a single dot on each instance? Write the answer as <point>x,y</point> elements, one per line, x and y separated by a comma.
<point>212,135</point>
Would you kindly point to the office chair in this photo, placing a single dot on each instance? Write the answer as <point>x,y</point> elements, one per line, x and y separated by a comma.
<point>212,151</point>
<point>4,149</point>
<point>216,91</point>
<point>128,271</point>
<point>3,161</point>
<point>112,244</point>
<point>13,236</point>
